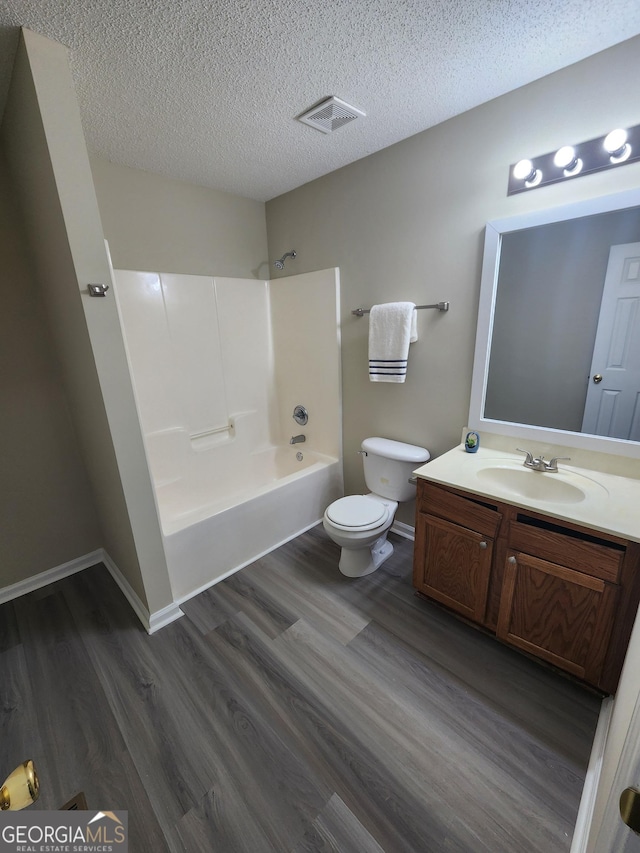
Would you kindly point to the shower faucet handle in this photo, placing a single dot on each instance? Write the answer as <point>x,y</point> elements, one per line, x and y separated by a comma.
<point>300,415</point>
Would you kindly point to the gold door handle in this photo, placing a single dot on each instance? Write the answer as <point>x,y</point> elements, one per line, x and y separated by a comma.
<point>597,378</point>
<point>630,808</point>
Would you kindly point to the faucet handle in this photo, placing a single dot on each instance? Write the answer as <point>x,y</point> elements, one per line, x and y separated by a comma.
<point>553,465</point>
<point>529,458</point>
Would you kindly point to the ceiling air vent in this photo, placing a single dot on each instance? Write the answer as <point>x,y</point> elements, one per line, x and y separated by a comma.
<point>330,114</point>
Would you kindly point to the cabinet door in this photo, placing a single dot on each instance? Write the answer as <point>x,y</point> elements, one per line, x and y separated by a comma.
<point>558,614</point>
<point>454,565</point>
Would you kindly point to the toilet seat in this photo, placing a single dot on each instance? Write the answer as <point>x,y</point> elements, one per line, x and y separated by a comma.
<point>357,512</point>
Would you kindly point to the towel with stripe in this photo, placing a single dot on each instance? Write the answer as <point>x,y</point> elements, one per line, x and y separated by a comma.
<point>392,327</point>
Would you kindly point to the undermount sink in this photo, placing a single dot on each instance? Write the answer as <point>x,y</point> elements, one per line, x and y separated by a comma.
<point>562,487</point>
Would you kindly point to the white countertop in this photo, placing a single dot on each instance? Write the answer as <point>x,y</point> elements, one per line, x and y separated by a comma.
<point>611,503</point>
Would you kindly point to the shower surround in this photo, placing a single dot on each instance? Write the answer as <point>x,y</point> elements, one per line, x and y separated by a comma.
<point>218,365</point>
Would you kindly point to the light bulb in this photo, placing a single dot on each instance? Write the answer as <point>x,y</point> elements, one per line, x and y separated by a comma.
<point>616,145</point>
<point>566,160</point>
<point>524,170</point>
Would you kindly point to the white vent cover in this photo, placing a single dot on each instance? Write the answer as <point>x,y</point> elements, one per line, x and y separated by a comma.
<point>329,115</point>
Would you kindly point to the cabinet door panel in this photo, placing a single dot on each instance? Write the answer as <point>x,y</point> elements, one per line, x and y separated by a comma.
<point>558,614</point>
<point>455,565</point>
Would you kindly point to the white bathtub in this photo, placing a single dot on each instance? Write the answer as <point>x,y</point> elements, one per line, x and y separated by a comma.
<point>217,518</point>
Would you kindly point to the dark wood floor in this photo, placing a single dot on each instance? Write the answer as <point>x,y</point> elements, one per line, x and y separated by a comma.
<point>293,709</point>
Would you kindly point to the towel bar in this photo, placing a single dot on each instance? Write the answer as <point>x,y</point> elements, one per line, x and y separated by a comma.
<point>441,306</point>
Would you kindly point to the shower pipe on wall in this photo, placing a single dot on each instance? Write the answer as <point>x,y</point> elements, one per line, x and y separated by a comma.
<point>279,264</point>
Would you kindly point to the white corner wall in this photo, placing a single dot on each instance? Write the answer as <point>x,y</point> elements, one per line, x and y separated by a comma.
<point>44,144</point>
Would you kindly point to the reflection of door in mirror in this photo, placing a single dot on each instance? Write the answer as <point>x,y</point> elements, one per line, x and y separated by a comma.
<point>613,398</point>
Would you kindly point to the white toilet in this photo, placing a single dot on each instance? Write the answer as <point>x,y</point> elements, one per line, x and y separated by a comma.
<point>360,523</point>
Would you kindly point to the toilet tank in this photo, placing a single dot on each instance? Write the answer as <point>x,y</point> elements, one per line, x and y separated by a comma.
<point>389,464</point>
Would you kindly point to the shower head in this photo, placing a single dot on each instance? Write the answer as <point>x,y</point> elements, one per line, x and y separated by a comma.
<point>279,264</point>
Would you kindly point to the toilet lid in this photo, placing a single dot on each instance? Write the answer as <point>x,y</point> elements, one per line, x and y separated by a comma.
<point>356,511</point>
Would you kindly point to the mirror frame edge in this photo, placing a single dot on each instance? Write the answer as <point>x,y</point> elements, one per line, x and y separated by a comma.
<point>488,291</point>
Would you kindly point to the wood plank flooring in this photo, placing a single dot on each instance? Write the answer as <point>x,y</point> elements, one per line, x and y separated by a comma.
<point>293,710</point>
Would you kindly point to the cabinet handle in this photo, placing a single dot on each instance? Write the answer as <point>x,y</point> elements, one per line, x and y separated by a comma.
<point>483,545</point>
<point>512,560</point>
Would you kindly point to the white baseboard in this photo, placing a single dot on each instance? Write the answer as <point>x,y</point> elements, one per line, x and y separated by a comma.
<point>588,800</point>
<point>151,622</point>
<point>403,529</point>
<point>50,576</point>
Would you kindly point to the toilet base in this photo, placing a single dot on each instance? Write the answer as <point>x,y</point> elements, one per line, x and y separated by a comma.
<point>358,562</point>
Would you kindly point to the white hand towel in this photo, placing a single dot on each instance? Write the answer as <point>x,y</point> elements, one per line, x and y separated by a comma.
<point>392,327</point>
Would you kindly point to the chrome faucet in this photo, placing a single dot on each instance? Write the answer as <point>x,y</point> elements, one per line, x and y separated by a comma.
<point>297,439</point>
<point>539,463</point>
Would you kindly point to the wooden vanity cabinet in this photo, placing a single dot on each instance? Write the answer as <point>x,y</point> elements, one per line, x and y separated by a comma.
<point>553,589</point>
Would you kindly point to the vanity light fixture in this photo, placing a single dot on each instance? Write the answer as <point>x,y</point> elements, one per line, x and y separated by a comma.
<point>619,146</point>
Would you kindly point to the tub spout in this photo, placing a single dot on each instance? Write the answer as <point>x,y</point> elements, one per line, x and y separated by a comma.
<point>297,439</point>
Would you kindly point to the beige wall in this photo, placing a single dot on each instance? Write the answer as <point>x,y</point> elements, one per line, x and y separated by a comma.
<point>155,223</point>
<point>407,223</point>
<point>47,509</point>
<point>43,139</point>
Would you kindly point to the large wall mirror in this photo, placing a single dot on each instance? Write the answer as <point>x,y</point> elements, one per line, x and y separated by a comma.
<point>557,354</point>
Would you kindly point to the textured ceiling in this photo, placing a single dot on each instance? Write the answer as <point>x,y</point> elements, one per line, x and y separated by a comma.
<point>207,90</point>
